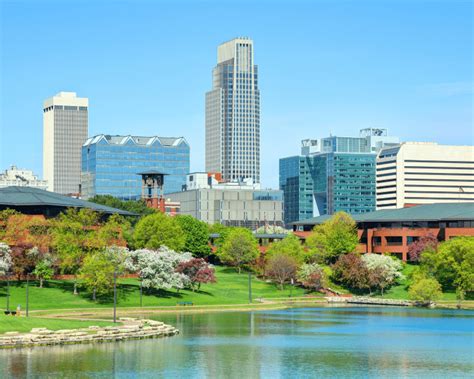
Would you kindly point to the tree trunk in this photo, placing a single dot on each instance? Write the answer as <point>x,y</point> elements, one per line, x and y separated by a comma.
<point>238,268</point>
<point>281,286</point>
<point>41,282</point>
<point>75,286</point>
<point>93,294</point>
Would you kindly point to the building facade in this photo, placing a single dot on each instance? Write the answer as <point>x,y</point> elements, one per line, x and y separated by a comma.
<point>65,129</point>
<point>423,173</point>
<point>111,164</point>
<point>233,114</point>
<point>332,174</point>
<point>23,178</point>
<point>232,204</point>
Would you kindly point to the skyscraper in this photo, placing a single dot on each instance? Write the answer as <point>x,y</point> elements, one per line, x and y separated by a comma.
<point>233,114</point>
<point>65,128</point>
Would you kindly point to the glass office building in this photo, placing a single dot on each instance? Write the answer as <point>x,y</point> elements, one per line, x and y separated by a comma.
<point>110,164</point>
<point>332,174</point>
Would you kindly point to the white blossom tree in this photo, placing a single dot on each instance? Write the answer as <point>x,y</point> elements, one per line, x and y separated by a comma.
<point>384,270</point>
<point>5,258</point>
<point>157,268</point>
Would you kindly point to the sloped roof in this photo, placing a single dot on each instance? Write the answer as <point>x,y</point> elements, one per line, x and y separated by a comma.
<point>136,140</point>
<point>16,196</point>
<point>427,212</point>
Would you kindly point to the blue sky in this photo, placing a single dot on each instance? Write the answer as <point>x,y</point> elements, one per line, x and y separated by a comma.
<point>324,67</point>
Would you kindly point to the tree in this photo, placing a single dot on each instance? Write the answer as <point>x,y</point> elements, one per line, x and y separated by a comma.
<point>425,289</point>
<point>290,245</point>
<point>239,248</point>
<point>452,265</point>
<point>43,271</point>
<point>281,268</point>
<point>383,270</point>
<point>351,271</point>
<point>197,235</point>
<point>198,271</point>
<point>272,229</point>
<point>424,243</point>
<point>158,229</point>
<point>311,275</point>
<point>5,258</point>
<point>157,269</point>
<point>336,236</point>
<point>98,268</point>
<point>134,206</point>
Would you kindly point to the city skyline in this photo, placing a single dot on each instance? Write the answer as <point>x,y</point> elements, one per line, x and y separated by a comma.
<point>330,79</point>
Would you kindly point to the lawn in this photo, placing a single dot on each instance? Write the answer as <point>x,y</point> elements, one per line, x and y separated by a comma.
<point>231,288</point>
<point>25,324</point>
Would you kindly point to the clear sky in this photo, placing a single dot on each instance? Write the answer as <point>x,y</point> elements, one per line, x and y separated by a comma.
<point>324,67</point>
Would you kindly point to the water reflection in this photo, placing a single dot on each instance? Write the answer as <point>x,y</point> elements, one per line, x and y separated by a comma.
<point>323,342</point>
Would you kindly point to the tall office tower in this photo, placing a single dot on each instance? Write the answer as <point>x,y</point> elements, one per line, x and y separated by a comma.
<point>233,114</point>
<point>332,174</point>
<point>65,128</point>
<point>415,173</point>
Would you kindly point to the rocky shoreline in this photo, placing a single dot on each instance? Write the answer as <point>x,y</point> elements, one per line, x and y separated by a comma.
<point>369,301</point>
<point>130,329</point>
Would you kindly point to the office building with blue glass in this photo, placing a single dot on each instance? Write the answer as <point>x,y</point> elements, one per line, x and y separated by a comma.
<point>332,174</point>
<point>110,164</point>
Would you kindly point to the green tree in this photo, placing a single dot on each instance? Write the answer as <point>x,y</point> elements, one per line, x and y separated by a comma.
<point>336,236</point>
<point>158,229</point>
<point>425,289</point>
<point>44,270</point>
<point>452,265</point>
<point>223,232</point>
<point>197,235</point>
<point>135,206</point>
<point>239,248</point>
<point>290,246</point>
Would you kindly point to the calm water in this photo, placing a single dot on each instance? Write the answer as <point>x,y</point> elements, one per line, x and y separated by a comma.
<point>297,343</point>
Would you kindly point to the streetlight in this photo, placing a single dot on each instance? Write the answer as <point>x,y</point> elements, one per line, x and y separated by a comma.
<point>115,295</point>
<point>27,292</point>
<point>8,291</point>
<point>250,287</point>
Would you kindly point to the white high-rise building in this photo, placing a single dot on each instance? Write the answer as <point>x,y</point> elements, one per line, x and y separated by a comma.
<point>20,177</point>
<point>233,114</point>
<point>65,129</point>
<point>422,173</point>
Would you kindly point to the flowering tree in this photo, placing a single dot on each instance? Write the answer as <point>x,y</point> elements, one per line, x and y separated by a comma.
<point>157,268</point>
<point>281,268</point>
<point>311,276</point>
<point>383,270</point>
<point>198,271</point>
<point>351,271</point>
<point>5,258</point>
<point>424,243</point>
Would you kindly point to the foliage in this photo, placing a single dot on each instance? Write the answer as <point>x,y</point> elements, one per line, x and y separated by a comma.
<point>197,235</point>
<point>424,243</point>
<point>223,232</point>
<point>239,248</point>
<point>5,258</point>
<point>290,245</point>
<point>383,270</point>
<point>134,206</point>
<point>271,229</point>
<point>452,265</point>
<point>157,268</point>
<point>43,270</point>
<point>425,289</point>
<point>336,236</point>
<point>281,268</point>
<point>26,231</point>
<point>311,275</point>
<point>351,271</point>
<point>198,271</point>
<point>158,229</point>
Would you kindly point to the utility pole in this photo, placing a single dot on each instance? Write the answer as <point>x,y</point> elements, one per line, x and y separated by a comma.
<point>8,291</point>
<point>141,293</point>
<point>27,292</point>
<point>250,288</point>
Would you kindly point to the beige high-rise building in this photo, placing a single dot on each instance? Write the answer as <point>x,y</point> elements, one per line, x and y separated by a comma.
<point>65,129</point>
<point>233,114</point>
<point>422,173</point>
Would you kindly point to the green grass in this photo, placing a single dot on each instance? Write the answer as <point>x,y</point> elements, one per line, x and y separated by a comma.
<point>231,288</point>
<point>25,324</point>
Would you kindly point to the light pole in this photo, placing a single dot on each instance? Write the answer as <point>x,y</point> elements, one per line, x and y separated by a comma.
<point>8,291</point>
<point>250,288</point>
<point>27,292</point>
<point>115,295</point>
<point>141,293</point>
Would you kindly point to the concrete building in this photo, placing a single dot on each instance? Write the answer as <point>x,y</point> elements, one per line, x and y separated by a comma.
<point>332,174</point>
<point>21,178</point>
<point>423,173</point>
<point>65,128</point>
<point>111,164</point>
<point>233,114</point>
<point>234,204</point>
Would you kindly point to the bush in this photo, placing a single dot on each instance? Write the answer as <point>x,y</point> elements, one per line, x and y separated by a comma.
<point>425,289</point>
<point>312,276</point>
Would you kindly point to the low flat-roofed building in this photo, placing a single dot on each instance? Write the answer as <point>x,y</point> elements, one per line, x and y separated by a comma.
<point>393,230</point>
<point>23,178</point>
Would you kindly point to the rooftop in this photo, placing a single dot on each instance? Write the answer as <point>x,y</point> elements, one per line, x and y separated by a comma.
<point>428,212</point>
<point>136,140</point>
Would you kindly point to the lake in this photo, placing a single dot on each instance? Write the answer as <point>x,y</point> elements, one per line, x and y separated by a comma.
<point>332,342</point>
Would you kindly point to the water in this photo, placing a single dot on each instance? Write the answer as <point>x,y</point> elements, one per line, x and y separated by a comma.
<point>297,343</point>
